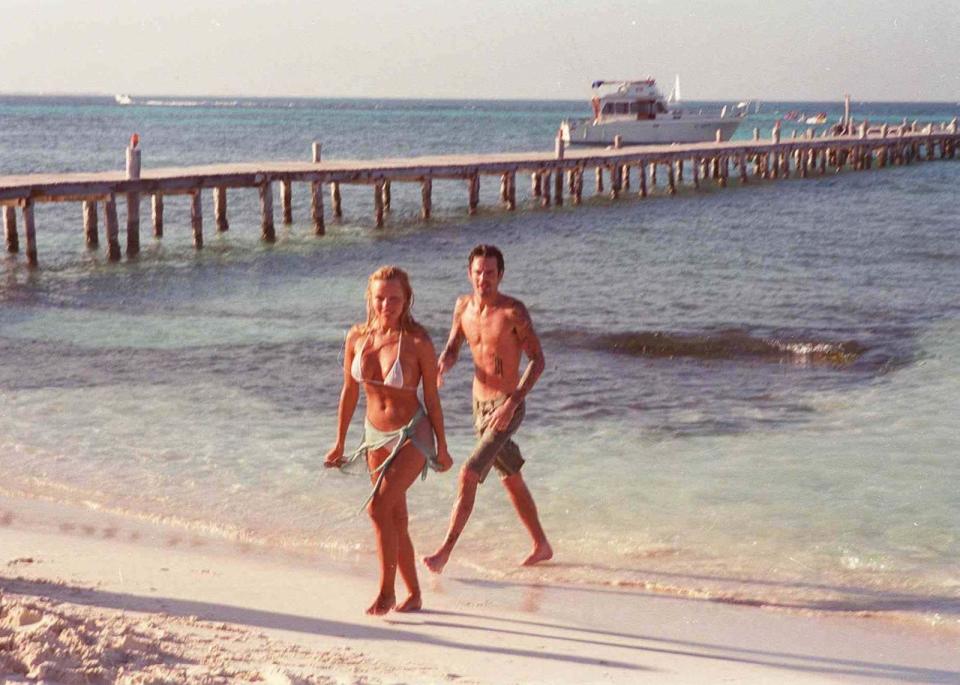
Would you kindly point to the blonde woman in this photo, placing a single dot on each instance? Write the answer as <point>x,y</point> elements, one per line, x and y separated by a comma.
<point>391,356</point>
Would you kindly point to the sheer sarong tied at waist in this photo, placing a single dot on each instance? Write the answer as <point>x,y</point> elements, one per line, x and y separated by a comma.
<point>374,439</point>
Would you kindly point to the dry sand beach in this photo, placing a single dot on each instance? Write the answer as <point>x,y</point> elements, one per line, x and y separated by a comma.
<point>90,598</point>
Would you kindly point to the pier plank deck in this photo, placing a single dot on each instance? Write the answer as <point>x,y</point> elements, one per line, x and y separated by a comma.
<point>771,159</point>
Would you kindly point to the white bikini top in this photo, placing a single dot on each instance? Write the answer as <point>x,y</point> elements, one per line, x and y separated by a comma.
<point>394,377</point>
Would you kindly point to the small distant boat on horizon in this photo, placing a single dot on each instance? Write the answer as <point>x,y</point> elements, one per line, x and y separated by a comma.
<point>639,114</point>
<point>122,99</point>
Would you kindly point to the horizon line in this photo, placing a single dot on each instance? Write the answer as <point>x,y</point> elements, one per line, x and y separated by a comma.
<point>435,98</point>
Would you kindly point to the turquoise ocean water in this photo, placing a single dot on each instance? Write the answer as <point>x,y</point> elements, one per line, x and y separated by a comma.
<point>751,394</point>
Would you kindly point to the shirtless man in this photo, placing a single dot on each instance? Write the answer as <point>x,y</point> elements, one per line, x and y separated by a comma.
<point>498,328</point>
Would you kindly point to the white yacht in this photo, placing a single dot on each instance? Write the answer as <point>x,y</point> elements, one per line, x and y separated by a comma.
<point>638,113</point>
<point>123,99</point>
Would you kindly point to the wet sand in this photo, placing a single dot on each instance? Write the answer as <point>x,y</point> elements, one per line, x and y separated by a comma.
<point>87,597</point>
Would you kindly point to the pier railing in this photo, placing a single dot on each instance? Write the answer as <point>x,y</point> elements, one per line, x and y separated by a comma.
<point>552,174</point>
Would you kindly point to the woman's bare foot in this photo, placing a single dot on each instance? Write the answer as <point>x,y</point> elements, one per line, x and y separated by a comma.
<point>541,552</point>
<point>381,605</point>
<point>411,603</point>
<point>436,561</point>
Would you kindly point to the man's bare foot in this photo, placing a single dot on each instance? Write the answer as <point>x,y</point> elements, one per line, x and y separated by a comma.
<point>436,561</point>
<point>411,603</point>
<point>541,552</point>
<point>381,605</point>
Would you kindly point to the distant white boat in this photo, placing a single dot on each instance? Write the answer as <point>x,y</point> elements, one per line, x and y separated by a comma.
<point>637,112</point>
<point>123,99</point>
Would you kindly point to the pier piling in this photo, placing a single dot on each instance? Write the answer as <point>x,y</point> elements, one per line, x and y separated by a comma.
<point>10,229</point>
<point>378,203</point>
<point>267,230</point>
<point>286,210</point>
<point>157,212</point>
<point>29,232</point>
<point>111,227</point>
<point>133,199</point>
<point>426,198</point>
<point>91,233</point>
<point>196,218</point>
<point>316,205</point>
<point>220,209</point>
<point>335,200</point>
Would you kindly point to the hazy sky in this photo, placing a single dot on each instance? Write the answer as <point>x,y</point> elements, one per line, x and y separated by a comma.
<point>722,49</point>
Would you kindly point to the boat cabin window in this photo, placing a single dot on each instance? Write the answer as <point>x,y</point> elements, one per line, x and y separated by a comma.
<point>644,109</point>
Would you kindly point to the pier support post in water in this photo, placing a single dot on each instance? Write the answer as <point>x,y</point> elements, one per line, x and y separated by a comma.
<point>133,199</point>
<point>742,166</point>
<point>91,234</point>
<point>426,198</point>
<point>616,179</point>
<point>386,195</point>
<point>335,200</point>
<point>286,210</point>
<point>558,187</point>
<point>695,169</point>
<point>599,177</point>
<point>653,174</point>
<point>378,202</point>
<point>625,178</point>
<point>220,209</point>
<point>504,187</point>
<point>680,171</point>
<point>316,206</point>
<point>111,227</point>
<point>577,190</point>
<point>10,229</point>
<point>512,191</point>
<point>544,188</point>
<point>671,180</point>
<point>29,232</point>
<point>157,211</point>
<point>196,218</point>
<point>642,181</point>
<point>535,184</point>
<point>473,193</point>
<point>133,224</point>
<point>267,230</point>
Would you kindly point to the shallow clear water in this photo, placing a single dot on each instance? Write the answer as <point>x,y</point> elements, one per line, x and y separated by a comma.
<point>750,393</point>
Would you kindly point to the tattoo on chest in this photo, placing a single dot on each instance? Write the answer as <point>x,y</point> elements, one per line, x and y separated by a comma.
<point>498,366</point>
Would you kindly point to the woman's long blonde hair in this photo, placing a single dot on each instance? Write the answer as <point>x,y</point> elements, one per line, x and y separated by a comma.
<point>391,273</point>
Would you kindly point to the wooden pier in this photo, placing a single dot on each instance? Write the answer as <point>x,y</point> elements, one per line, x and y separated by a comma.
<point>553,175</point>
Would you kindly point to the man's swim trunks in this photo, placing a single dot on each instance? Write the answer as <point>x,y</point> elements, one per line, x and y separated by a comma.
<point>495,448</point>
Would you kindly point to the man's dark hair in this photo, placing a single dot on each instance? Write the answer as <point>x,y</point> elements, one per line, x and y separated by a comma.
<point>487,251</point>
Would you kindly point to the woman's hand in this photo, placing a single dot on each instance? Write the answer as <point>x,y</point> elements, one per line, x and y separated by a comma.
<point>444,460</point>
<point>334,458</point>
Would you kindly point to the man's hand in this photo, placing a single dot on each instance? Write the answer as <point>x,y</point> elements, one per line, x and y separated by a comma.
<point>334,458</point>
<point>502,416</point>
<point>444,364</point>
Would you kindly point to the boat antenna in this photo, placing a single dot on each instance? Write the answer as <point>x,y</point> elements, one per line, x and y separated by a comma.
<point>674,96</point>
